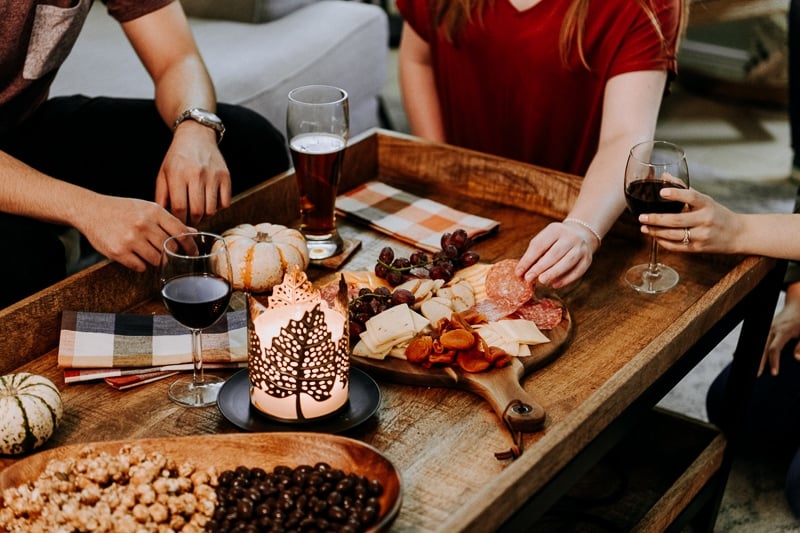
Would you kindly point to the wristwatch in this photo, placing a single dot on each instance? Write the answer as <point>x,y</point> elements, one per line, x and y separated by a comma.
<point>206,118</point>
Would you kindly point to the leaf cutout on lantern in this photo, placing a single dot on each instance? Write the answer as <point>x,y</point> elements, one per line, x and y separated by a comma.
<point>295,289</point>
<point>301,359</point>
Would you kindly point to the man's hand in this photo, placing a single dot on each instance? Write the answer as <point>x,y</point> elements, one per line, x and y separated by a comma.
<point>129,231</point>
<point>194,181</point>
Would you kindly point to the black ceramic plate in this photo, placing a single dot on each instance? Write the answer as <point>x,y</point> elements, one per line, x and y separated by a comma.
<point>234,404</point>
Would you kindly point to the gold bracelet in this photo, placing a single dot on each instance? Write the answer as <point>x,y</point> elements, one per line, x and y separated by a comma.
<point>587,226</point>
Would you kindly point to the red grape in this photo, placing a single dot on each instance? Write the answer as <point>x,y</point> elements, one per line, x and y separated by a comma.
<point>442,264</point>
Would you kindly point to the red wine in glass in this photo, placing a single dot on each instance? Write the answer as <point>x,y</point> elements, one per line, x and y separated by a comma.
<point>194,278</point>
<point>651,167</point>
<point>644,196</point>
<point>196,301</point>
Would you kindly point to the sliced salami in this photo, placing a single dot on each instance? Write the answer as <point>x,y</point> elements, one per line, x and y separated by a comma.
<point>330,291</point>
<point>545,313</point>
<point>494,310</point>
<point>503,286</point>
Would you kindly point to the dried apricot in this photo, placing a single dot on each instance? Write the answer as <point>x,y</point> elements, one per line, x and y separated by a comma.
<point>445,358</point>
<point>457,339</point>
<point>494,353</point>
<point>472,361</point>
<point>419,349</point>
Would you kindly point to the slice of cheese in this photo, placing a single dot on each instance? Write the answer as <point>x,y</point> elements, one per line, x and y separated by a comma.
<point>493,337</point>
<point>521,330</point>
<point>435,309</point>
<point>391,327</point>
<point>399,351</point>
<point>411,285</point>
<point>365,278</point>
<point>420,322</point>
<point>463,295</point>
<point>426,289</point>
<point>476,276</point>
<point>361,350</point>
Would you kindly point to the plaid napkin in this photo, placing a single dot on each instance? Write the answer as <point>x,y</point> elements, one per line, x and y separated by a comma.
<point>407,217</point>
<point>107,340</point>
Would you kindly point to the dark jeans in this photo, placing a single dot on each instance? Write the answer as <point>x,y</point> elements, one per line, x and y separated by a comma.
<point>113,146</point>
<point>794,78</point>
<point>773,419</point>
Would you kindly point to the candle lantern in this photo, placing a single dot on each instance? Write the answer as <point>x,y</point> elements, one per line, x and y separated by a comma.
<point>298,350</point>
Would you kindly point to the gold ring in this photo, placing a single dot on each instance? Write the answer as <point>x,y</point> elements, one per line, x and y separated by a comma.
<point>686,236</point>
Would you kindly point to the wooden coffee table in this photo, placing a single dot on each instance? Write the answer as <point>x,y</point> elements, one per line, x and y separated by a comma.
<point>628,350</point>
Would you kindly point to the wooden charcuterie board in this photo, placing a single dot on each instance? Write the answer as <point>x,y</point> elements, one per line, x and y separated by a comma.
<point>498,386</point>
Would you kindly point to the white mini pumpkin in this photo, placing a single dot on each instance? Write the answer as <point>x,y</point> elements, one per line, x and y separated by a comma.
<point>30,411</point>
<point>260,254</point>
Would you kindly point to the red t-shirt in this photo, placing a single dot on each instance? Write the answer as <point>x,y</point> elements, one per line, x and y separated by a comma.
<point>35,39</point>
<point>504,90</point>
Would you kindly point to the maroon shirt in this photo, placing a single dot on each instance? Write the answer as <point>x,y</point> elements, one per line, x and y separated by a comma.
<point>504,90</point>
<point>35,38</point>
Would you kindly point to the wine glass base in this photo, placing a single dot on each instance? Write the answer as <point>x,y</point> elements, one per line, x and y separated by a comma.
<point>324,246</point>
<point>190,394</point>
<point>641,279</point>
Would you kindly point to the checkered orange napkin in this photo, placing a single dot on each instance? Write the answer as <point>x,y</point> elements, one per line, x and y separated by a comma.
<point>107,340</point>
<point>407,217</point>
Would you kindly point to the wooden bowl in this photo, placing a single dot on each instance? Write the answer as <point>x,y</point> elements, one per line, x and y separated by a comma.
<point>228,451</point>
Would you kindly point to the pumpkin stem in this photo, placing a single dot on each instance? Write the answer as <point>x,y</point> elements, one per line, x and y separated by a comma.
<point>262,237</point>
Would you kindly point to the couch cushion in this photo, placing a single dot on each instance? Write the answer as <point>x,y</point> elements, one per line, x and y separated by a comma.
<point>242,10</point>
<point>256,65</point>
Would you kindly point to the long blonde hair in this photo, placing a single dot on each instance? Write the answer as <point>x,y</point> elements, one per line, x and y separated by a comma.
<point>450,16</point>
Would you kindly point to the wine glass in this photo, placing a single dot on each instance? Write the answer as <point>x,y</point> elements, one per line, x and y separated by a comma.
<point>652,166</point>
<point>318,125</point>
<point>194,277</point>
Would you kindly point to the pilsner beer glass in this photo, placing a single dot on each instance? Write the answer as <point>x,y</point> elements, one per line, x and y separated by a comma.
<point>317,125</point>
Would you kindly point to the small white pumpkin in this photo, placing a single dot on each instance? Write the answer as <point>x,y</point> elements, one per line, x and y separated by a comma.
<point>260,254</point>
<point>30,411</point>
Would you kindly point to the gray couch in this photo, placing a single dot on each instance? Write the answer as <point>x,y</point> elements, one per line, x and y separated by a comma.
<point>256,52</point>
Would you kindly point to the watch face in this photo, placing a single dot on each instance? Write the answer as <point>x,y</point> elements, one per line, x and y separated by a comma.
<point>205,116</point>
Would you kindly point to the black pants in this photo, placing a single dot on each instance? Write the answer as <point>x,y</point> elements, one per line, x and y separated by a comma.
<point>794,78</point>
<point>112,146</point>
<point>772,420</point>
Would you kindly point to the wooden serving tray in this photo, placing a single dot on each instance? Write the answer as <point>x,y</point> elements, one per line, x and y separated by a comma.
<point>265,450</point>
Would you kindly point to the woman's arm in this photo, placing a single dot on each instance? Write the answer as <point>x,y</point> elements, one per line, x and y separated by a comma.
<point>714,228</point>
<point>562,252</point>
<point>418,86</point>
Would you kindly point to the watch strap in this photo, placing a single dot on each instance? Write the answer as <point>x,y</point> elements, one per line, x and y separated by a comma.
<point>201,116</point>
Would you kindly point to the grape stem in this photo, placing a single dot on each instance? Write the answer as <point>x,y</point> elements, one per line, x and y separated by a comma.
<point>404,269</point>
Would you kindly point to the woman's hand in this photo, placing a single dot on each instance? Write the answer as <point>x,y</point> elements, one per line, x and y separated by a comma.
<point>707,226</point>
<point>785,327</point>
<point>558,255</point>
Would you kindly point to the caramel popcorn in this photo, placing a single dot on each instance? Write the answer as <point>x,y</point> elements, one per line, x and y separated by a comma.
<point>130,491</point>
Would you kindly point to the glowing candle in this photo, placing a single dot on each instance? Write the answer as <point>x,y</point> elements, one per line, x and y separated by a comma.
<point>298,353</point>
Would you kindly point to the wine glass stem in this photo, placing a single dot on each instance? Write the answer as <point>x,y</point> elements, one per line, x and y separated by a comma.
<point>197,357</point>
<point>652,265</point>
